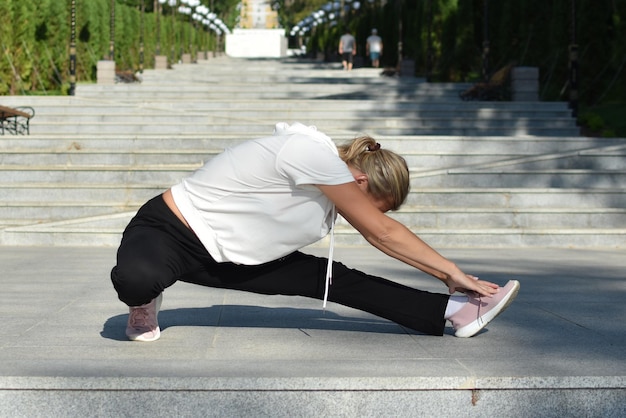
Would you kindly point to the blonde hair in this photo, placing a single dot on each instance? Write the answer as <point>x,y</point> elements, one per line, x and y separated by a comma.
<point>387,172</point>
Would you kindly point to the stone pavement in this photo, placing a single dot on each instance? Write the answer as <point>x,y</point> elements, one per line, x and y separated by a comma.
<point>559,350</point>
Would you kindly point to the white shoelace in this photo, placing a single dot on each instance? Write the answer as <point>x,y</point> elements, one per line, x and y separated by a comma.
<point>329,266</point>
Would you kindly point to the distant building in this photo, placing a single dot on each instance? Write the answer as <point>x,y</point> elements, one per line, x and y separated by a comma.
<point>257,14</point>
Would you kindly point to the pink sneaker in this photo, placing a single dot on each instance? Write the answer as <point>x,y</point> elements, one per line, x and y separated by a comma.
<point>142,321</point>
<point>479,311</point>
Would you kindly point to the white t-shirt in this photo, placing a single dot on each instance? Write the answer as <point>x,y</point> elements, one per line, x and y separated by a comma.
<point>256,202</point>
<point>374,42</point>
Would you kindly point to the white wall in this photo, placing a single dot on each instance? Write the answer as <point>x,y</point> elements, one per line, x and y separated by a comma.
<point>256,43</point>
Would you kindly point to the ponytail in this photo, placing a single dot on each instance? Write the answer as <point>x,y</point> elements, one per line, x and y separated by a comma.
<point>387,172</point>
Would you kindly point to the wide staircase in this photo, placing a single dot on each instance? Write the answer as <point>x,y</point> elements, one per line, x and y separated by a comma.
<point>484,174</point>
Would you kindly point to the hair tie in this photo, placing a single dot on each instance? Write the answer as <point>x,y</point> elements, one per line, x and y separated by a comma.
<point>373,148</point>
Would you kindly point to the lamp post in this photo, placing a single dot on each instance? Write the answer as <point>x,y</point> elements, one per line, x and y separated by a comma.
<point>141,52</point>
<point>172,4</point>
<point>72,90</point>
<point>112,33</point>
<point>485,40</point>
<point>159,9</point>
<point>160,61</point>
<point>187,9</point>
<point>201,16</point>
<point>184,10</point>
<point>573,65</point>
<point>193,17</point>
<point>399,8</point>
<point>430,59</point>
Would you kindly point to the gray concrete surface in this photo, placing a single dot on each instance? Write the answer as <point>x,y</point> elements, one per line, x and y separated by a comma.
<point>559,350</point>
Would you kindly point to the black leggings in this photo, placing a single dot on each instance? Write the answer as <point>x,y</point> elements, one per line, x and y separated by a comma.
<point>157,250</point>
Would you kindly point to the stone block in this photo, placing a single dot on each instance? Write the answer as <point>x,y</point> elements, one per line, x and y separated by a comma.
<point>160,62</point>
<point>407,68</point>
<point>525,84</point>
<point>105,72</point>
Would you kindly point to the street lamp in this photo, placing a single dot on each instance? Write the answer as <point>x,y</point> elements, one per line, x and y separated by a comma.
<point>158,25</point>
<point>573,65</point>
<point>430,59</point>
<point>172,4</point>
<point>399,10</point>
<point>72,90</point>
<point>112,33</point>
<point>187,9</point>
<point>141,39</point>
<point>485,40</point>
<point>200,16</point>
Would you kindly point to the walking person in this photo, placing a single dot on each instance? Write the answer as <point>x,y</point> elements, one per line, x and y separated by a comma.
<point>374,48</point>
<point>239,221</point>
<point>347,50</point>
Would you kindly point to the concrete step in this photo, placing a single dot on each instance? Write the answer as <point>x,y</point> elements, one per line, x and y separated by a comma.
<point>602,169</point>
<point>72,105</point>
<point>80,155</point>
<point>269,90</point>
<point>417,161</point>
<point>144,123</point>
<point>259,128</point>
<point>121,142</point>
<point>88,157</point>
<point>106,231</point>
<point>517,198</point>
<point>573,178</point>
<point>513,199</point>
<point>408,144</point>
<point>296,111</point>
<point>76,194</point>
<point>417,217</point>
<point>591,160</point>
<point>121,174</point>
<point>18,212</point>
<point>503,237</point>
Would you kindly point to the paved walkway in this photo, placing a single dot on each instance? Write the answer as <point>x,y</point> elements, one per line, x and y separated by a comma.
<point>559,350</point>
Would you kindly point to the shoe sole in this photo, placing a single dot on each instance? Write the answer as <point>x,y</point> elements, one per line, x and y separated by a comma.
<point>474,327</point>
<point>141,337</point>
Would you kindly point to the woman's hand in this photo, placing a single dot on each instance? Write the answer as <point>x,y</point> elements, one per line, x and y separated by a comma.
<point>464,282</point>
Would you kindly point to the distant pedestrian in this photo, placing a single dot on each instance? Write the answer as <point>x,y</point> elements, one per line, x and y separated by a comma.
<point>374,48</point>
<point>347,50</point>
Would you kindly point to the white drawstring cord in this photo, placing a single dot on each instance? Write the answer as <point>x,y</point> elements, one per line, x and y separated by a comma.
<point>329,266</point>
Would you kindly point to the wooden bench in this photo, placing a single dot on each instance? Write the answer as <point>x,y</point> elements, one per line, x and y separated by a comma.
<point>493,89</point>
<point>16,120</point>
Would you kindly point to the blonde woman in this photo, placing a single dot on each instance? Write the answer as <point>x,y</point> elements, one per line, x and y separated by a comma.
<point>239,221</point>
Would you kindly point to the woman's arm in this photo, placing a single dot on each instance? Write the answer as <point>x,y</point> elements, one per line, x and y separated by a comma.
<point>396,240</point>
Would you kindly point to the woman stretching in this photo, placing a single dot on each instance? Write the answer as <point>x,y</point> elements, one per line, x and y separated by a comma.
<point>239,221</point>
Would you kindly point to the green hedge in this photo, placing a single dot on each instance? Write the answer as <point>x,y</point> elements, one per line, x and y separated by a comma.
<point>35,38</point>
<point>530,32</point>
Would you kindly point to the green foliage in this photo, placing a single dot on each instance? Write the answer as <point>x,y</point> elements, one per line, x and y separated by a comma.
<point>23,38</point>
<point>6,41</point>
<point>444,38</point>
<point>35,39</point>
<point>606,120</point>
<point>592,121</point>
